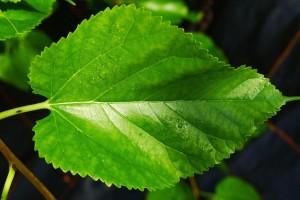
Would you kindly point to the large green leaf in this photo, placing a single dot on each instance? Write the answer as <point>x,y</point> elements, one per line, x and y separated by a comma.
<point>137,102</point>
<point>19,17</point>
<point>234,188</point>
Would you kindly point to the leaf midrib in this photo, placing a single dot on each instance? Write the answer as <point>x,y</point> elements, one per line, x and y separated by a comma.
<point>158,101</point>
<point>12,25</point>
<point>163,144</point>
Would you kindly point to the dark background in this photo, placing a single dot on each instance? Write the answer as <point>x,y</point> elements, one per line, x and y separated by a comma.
<point>251,32</point>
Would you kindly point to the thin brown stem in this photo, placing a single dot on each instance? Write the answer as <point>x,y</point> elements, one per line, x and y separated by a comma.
<point>11,158</point>
<point>284,55</point>
<point>194,187</point>
<point>284,136</point>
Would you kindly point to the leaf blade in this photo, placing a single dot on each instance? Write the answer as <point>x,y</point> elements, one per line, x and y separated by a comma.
<point>234,188</point>
<point>18,17</point>
<point>147,98</point>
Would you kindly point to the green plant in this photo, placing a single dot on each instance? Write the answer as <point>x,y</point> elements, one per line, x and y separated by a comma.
<point>137,102</point>
<point>229,188</point>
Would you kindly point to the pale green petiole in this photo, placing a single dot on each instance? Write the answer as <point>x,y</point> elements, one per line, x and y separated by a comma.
<point>23,109</point>
<point>71,2</point>
<point>288,99</point>
<point>9,179</point>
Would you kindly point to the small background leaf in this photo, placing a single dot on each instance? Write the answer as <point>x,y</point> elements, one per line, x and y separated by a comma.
<point>181,191</point>
<point>19,17</point>
<point>175,11</point>
<point>14,1</point>
<point>137,102</point>
<point>234,188</point>
<point>209,44</point>
<point>170,10</point>
<point>17,55</point>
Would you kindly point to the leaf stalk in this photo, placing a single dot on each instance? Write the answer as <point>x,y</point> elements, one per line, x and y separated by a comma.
<point>11,158</point>
<point>288,99</point>
<point>7,184</point>
<point>23,109</point>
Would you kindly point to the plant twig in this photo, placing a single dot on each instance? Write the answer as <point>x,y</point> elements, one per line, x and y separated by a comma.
<point>11,158</point>
<point>194,187</point>
<point>9,179</point>
<point>271,73</point>
<point>284,136</point>
<point>284,55</point>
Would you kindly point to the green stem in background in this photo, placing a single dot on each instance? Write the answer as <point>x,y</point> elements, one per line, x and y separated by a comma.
<point>194,186</point>
<point>7,47</point>
<point>11,158</point>
<point>22,109</point>
<point>9,179</point>
<point>71,2</point>
<point>288,99</point>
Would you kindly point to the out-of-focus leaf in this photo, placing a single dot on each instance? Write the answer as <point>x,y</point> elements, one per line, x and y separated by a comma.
<point>20,17</point>
<point>171,10</point>
<point>194,17</point>
<point>181,191</point>
<point>209,44</point>
<point>234,188</point>
<point>18,55</point>
<point>174,11</point>
<point>14,1</point>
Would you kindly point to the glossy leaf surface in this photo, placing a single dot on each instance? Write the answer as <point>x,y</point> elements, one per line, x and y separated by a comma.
<point>17,17</point>
<point>137,102</point>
